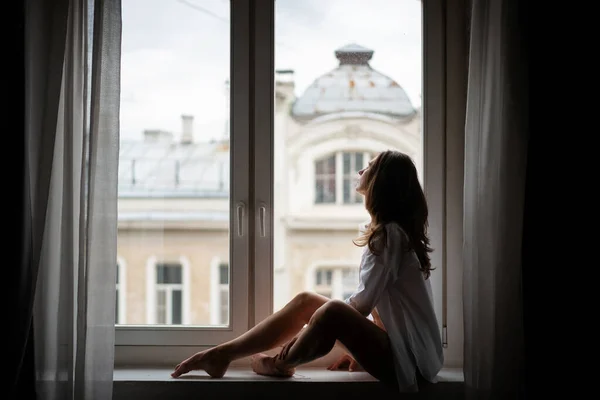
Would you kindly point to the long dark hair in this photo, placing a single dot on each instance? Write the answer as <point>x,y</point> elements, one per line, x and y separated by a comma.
<point>393,193</point>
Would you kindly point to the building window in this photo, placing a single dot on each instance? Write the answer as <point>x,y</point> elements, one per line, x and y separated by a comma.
<point>169,294</point>
<point>336,177</point>
<point>335,282</point>
<point>324,282</point>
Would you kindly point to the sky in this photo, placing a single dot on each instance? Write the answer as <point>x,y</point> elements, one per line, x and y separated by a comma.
<point>176,55</point>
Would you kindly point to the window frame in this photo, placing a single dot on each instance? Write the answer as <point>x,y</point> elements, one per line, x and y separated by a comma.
<point>251,196</point>
<point>122,290</point>
<point>157,345</point>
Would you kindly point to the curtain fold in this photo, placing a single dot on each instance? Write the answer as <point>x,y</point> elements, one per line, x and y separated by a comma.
<point>496,141</point>
<point>67,290</point>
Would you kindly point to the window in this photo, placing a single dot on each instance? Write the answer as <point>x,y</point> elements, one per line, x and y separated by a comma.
<point>335,282</point>
<point>236,190</point>
<point>167,291</point>
<point>182,199</point>
<point>169,298</point>
<point>332,187</point>
<point>324,282</point>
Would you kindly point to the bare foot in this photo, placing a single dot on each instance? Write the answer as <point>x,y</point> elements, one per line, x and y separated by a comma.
<point>212,361</point>
<point>262,364</point>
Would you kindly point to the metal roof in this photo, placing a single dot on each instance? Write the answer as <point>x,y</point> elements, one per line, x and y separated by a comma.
<point>171,169</point>
<point>353,86</point>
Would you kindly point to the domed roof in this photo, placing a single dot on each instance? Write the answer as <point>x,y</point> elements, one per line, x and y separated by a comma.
<point>353,86</point>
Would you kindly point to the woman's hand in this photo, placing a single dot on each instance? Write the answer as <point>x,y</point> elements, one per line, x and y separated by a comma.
<point>345,363</point>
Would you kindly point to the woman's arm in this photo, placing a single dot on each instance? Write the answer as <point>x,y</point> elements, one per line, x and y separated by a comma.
<point>374,277</point>
<point>377,319</point>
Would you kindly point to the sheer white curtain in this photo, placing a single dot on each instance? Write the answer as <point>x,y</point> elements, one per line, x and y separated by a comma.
<point>495,162</point>
<point>72,134</point>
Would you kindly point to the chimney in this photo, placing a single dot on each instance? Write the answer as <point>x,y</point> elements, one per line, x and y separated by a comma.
<point>284,76</point>
<point>187,129</point>
<point>284,88</point>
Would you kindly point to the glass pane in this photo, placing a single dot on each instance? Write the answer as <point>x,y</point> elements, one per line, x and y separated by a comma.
<point>223,274</point>
<point>161,307</point>
<point>348,82</point>
<point>358,162</point>
<point>320,167</point>
<point>346,163</point>
<point>331,165</point>
<point>224,306</point>
<point>348,190</point>
<point>176,307</point>
<point>174,161</point>
<point>168,273</point>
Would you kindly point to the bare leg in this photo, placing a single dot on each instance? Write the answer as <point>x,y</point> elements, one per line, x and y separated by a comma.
<point>274,331</point>
<point>335,320</point>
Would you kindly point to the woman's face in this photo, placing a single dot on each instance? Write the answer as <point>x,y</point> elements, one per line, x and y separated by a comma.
<point>363,177</point>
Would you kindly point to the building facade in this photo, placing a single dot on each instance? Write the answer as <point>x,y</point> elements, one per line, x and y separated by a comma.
<point>173,230</point>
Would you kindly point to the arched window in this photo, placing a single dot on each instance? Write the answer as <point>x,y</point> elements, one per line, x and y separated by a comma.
<point>336,176</point>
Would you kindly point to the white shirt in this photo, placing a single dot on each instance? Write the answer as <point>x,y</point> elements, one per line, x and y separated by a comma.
<point>393,283</point>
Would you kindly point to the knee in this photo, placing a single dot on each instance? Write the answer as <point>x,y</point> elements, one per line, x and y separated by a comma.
<point>330,312</point>
<point>305,300</point>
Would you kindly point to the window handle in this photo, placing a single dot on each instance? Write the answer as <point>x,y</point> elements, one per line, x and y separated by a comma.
<point>262,213</point>
<point>241,213</point>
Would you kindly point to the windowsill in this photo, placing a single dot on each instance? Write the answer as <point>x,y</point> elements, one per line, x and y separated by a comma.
<point>241,382</point>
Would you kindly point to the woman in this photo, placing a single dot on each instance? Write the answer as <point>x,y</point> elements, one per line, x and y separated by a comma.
<point>402,345</point>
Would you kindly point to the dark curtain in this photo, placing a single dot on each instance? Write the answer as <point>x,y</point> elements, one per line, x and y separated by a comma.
<point>18,280</point>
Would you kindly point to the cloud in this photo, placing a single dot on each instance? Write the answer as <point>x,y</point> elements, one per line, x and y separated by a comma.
<point>176,56</point>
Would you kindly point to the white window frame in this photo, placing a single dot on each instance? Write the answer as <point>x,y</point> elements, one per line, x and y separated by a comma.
<point>168,345</point>
<point>122,289</point>
<point>251,195</point>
